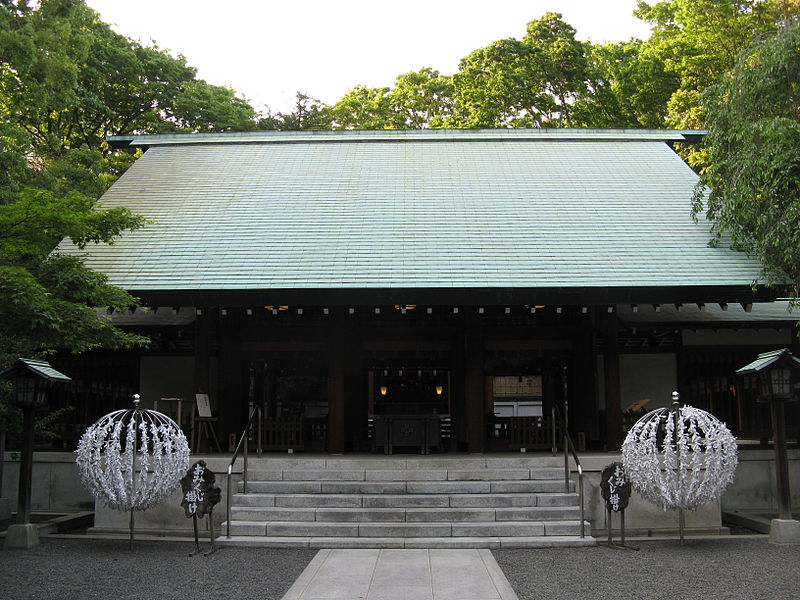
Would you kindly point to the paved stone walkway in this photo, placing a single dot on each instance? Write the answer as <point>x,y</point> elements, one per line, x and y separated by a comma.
<point>390,574</point>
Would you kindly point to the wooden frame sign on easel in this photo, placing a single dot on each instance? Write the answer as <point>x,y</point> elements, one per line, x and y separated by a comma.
<point>203,425</point>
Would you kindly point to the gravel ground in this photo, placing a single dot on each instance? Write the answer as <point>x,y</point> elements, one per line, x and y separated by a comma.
<point>747,568</point>
<point>78,569</point>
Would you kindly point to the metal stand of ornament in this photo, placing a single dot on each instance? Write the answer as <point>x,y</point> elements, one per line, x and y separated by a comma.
<point>199,498</point>
<point>615,487</point>
<point>132,459</point>
<point>680,458</point>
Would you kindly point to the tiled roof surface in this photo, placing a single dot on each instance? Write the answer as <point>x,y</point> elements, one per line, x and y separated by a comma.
<point>602,209</point>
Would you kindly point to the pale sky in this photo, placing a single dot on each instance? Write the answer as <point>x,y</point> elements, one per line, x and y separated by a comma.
<point>267,50</point>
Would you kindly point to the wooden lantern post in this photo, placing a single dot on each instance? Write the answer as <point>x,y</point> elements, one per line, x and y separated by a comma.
<point>32,380</point>
<point>778,383</point>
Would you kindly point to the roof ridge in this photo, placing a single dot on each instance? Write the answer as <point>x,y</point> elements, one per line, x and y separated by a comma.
<point>400,135</point>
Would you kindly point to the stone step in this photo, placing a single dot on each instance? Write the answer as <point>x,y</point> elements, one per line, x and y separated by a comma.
<point>546,473</point>
<point>399,515</point>
<point>404,487</point>
<point>404,530</point>
<point>404,500</point>
<point>301,462</point>
<point>549,541</point>
<point>407,502</point>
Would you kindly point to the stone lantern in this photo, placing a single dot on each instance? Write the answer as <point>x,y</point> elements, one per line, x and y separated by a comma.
<point>32,380</point>
<point>778,375</point>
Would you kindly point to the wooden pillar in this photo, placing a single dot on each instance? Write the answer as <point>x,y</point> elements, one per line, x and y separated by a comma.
<point>458,410</point>
<point>357,402</point>
<point>337,369</point>
<point>612,383</point>
<point>474,385</point>
<point>202,355</point>
<point>232,408</point>
<point>202,372</point>
<point>583,379</point>
<point>681,377</point>
<point>553,383</point>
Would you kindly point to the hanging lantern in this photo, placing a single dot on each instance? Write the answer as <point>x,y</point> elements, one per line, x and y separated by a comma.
<point>680,457</point>
<point>132,459</point>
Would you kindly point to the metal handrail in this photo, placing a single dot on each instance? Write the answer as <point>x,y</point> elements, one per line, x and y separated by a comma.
<point>242,444</point>
<point>569,448</point>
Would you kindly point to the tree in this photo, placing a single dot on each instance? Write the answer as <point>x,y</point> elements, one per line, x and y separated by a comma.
<point>698,41</point>
<point>365,108</point>
<point>751,190</point>
<point>499,85</point>
<point>529,83</point>
<point>308,114</point>
<point>49,299</point>
<point>67,81</point>
<point>626,88</point>
<point>422,98</point>
<point>563,61</point>
<point>419,99</point>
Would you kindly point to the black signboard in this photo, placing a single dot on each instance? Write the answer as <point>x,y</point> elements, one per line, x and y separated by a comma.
<point>615,487</point>
<point>199,493</point>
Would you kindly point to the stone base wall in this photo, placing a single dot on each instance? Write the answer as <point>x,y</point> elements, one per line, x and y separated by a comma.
<point>57,488</point>
<point>755,488</point>
<point>642,518</point>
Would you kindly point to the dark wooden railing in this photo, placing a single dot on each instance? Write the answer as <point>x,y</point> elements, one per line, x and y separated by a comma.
<point>282,434</point>
<point>533,433</point>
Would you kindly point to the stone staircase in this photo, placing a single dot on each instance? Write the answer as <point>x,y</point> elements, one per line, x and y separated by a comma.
<point>406,501</point>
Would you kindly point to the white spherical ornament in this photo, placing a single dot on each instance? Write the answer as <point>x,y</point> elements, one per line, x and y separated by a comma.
<point>680,457</point>
<point>132,459</point>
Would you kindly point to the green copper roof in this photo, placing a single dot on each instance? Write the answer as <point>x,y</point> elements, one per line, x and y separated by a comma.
<point>40,368</point>
<point>767,359</point>
<point>565,209</point>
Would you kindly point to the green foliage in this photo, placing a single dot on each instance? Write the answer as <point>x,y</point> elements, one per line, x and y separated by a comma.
<point>201,107</point>
<point>422,98</point>
<point>48,298</point>
<point>534,82</point>
<point>500,85</point>
<point>308,114</point>
<point>551,79</point>
<point>67,81</point>
<point>753,145</point>
<point>628,88</point>
<point>563,62</point>
<point>365,108</point>
<point>698,41</point>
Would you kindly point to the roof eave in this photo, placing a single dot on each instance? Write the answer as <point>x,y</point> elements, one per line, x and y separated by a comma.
<point>456,296</point>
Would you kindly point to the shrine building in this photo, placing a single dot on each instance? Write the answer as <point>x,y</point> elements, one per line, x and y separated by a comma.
<point>432,290</point>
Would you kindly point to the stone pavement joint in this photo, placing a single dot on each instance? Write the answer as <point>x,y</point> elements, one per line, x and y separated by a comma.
<point>394,574</point>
